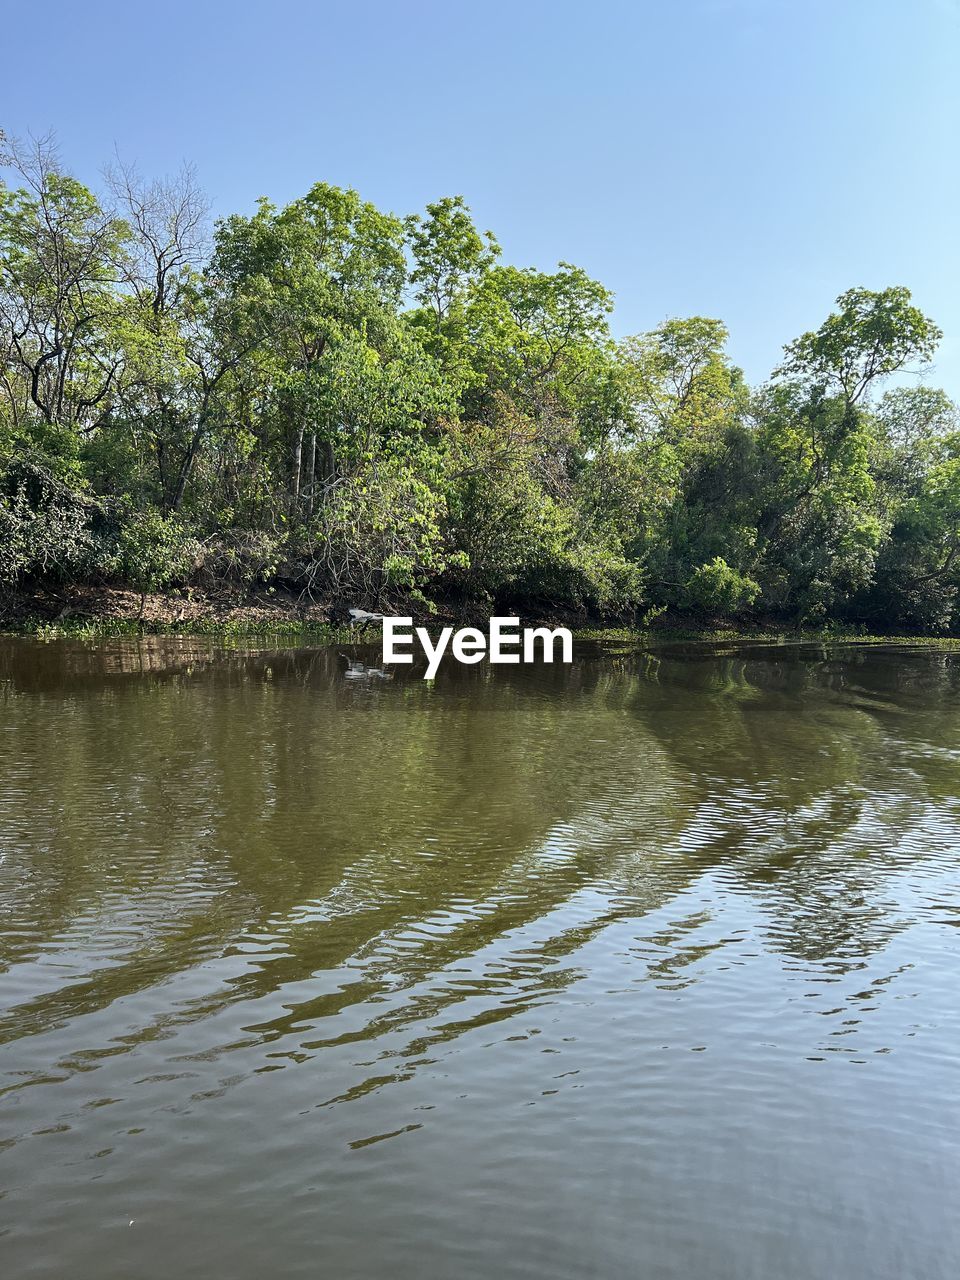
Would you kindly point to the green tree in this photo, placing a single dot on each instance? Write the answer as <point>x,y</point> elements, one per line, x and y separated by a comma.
<point>873,335</point>
<point>60,252</point>
<point>303,278</point>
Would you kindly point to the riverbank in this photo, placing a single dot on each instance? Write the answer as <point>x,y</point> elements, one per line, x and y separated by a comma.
<point>102,612</point>
<point>114,611</point>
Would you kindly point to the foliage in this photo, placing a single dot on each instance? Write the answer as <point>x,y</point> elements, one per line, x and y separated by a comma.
<point>154,550</point>
<point>47,530</point>
<point>369,408</point>
<point>720,589</point>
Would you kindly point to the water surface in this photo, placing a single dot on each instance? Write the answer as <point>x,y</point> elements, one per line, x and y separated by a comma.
<point>646,966</point>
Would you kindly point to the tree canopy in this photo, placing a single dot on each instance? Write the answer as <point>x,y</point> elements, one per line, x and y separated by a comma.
<point>357,405</point>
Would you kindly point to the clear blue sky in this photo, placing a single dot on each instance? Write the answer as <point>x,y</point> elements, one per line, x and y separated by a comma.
<point>746,159</point>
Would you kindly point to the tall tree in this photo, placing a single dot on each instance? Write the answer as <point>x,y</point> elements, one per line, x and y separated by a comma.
<point>60,257</point>
<point>304,277</point>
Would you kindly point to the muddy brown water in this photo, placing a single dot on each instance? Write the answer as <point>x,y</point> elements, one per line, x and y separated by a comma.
<point>642,967</point>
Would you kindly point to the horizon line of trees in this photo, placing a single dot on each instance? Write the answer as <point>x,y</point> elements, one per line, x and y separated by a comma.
<point>369,408</point>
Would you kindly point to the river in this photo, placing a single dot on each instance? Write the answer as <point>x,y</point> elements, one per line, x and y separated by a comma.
<point>645,966</point>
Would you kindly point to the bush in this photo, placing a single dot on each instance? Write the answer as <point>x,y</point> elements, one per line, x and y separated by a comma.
<point>378,529</point>
<point>237,558</point>
<point>719,588</point>
<point>47,529</point>
<point>154,551</point>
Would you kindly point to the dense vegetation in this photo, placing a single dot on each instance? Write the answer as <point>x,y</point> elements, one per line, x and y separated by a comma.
<point>331,399</point>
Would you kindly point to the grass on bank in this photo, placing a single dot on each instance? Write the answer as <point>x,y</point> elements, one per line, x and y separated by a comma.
<point>304,631</point>
<point>226,629</point>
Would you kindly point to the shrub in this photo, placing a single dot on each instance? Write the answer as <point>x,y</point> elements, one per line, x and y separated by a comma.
<point>237,558</point>
<point>47,529</point>
<point>378,529</point>
<point>154,550</point>
<point>718,587</point>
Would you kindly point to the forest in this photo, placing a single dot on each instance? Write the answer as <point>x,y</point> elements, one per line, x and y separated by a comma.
<point>343,405</point>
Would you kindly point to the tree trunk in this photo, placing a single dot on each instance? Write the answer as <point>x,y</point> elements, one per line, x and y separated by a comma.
<point>187,466</point>
<point>311,471</point>
<point>295,470</point>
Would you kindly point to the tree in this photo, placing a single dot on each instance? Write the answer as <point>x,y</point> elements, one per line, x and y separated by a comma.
<point>824,519</point>
<point>683,384</point>
<point>918,570</point>
<point>60,256</point>
<point>449,257</point>
<point>539,337</point>
<point>872,336</point>
<point>302,278</point>
<point>332,397</point>
<point>177,355</point>
<point>688,402</point>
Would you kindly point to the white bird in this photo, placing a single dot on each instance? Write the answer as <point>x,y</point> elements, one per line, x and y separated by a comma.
<point>363,616</point>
